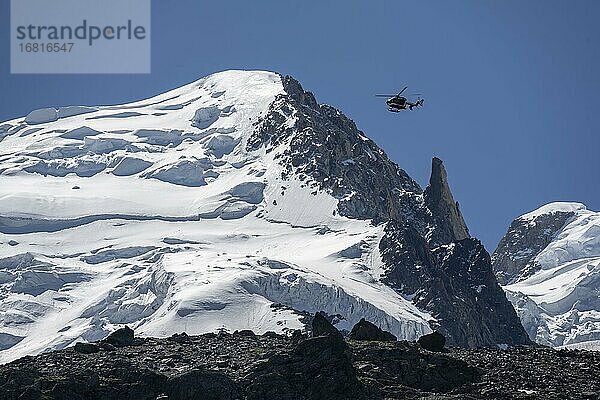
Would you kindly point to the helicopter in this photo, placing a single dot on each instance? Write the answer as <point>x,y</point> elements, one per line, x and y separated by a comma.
<point>397,102</point>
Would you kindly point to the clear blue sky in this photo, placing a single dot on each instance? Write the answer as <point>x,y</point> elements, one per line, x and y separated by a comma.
<point>511,87</point>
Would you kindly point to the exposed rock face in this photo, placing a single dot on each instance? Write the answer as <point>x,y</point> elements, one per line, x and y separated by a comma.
<point>448,223</point>
<point>456,284</point>
<point>365,330</point>
<point>327,146</point>
<point>426,247</point>
<point>514,258</point>
<point>433,342</point>
<point>270,367</point>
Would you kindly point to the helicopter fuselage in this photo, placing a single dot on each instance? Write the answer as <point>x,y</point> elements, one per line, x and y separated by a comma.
<point>396,103</point>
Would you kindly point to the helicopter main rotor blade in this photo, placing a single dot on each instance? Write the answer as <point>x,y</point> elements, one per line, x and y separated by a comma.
<point>385,95</point>
<point>405,87</point>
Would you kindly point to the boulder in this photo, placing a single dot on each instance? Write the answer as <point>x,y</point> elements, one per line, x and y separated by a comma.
<point>180,338</point>
<point>318,368</point>
<point>327,347</point>
<point>365,330</point>
<point>322,327</point>
<point>86,348</point>
<point>433,342</point>
<point>245,332</point>
<point>107,346</point>
<point>121,337</point>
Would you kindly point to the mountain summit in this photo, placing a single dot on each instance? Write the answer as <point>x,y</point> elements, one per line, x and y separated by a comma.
<point>234,202</point>
<point>549,262</point>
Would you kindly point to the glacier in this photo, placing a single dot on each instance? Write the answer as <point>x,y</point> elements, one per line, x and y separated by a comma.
<point>160,214</point>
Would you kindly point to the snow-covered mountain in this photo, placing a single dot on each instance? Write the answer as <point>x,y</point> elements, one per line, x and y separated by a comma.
<point>549,262</point>
<point>234,202</point>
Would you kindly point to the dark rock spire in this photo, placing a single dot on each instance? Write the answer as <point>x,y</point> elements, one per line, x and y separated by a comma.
<point>448,222</point>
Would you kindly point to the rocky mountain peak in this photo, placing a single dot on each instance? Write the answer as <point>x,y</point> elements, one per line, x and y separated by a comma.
<point>514,258</point>
<point>449,224</point>
<point>318,143</point>
<point>294,89</point>
<point>549,264</point>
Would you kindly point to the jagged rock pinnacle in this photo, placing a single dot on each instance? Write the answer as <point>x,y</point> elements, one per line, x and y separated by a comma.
<point>450,225</point>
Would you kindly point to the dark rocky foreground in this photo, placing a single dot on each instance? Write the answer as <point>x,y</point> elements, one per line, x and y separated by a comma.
<point>245,366</point>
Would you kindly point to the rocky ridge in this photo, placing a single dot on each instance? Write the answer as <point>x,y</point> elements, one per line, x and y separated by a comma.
<point>242,365</point>
<point>322,146</point>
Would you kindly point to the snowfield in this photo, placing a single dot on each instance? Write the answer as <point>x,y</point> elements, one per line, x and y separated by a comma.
<point>154,214</point>
<point>560,303</point>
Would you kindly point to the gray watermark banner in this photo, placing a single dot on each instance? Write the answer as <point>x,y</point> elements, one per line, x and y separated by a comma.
<point>79,36</point>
